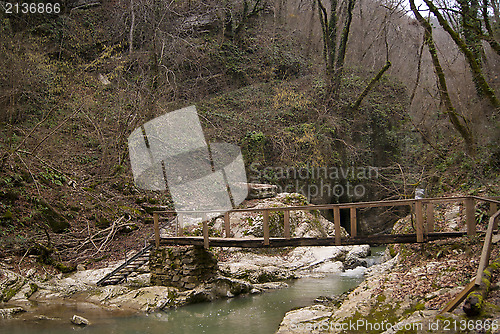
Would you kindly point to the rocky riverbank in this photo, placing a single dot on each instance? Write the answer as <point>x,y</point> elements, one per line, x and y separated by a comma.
<point>238,272</point>
<point>241,272</point>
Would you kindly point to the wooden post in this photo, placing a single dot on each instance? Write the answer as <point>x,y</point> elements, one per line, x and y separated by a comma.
<point>430,218</point>
<point>493,208</point>
<point>286,222</point>
<point>470,212</point>
<point>265,227</point>
<point>206,240</point>
<point>227,224</point>
<point>336,220</point>
<point>354,223</point>
<point>156,219</point>
<point>420,220</point>
<point>179,225</point>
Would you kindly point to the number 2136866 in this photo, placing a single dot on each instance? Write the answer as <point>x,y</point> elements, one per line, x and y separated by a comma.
<point>31,8</point>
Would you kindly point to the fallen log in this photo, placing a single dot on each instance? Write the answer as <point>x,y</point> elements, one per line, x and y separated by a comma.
<point>475,301</point>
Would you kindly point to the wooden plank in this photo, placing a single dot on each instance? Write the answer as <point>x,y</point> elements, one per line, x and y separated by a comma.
<point>354,222</point>
<point>156,220</point>
<point>265,227</point>
<point>430,218</point>
<point>459,298</point>
<point>372,240</point>
<point>206,240</point>
<point>336,220</point>
<point>493,208</point>
<point>227,225</point>
<point>486,251</point>
<point>470,212</point>
<point>419,221</point>
<point>286,222</point>
<point>180,223</point>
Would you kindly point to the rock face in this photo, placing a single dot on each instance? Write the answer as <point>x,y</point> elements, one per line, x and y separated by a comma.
<point>302,223</point>
<point>257,190</point>
<point>182,267</point>
<point>10,284</point>
<point>357,257</point>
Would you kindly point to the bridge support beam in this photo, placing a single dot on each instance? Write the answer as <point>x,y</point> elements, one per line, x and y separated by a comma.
<point>419,221</point>
<point>286,223</point>
<point>354,222</point>
<point>336,221</point>
<point>183,267</point>
<point>430,218</point>
<point>470,212</point>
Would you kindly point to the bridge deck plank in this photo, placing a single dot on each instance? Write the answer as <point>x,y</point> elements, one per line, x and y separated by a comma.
<point>294,242</point>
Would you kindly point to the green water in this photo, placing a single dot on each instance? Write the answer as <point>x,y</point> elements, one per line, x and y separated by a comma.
<point>248,314</point>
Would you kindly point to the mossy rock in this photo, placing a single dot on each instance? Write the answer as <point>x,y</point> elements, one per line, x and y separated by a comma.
<point>57,222</point>
<point>65,268</point>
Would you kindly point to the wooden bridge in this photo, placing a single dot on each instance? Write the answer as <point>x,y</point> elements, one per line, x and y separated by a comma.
<point>423,227</point>
<point>423,230</point>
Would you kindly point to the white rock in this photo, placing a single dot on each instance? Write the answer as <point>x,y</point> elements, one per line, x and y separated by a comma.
<point>79,321</point>
<point>330,267</point>
<point>30,272</point>
<point>7,313</point>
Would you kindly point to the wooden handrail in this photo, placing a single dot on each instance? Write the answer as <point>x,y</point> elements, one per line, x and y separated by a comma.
<point>483,264</point>
<point>398,202</point>
<point>486,252</point>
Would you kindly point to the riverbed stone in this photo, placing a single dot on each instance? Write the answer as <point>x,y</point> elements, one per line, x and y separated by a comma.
<point>79,321</point>
<point>311,319</point>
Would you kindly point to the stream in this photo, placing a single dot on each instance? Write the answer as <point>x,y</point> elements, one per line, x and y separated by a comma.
<point>251,314</point>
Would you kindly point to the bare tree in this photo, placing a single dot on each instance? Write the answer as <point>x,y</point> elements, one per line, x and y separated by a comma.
<point>458,121</point>
<point>335,45</point>
<point>468,44</point>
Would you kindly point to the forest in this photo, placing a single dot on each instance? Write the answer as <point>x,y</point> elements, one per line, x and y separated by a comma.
<point>408,87</point>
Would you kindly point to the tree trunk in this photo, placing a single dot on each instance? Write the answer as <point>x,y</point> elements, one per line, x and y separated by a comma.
<point>477,75</point>
<point>132,26</point>
<point>370,86</point>
<point>454,118</point>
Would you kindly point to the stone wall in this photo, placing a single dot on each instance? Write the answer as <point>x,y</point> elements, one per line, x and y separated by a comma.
<point>182,267</point>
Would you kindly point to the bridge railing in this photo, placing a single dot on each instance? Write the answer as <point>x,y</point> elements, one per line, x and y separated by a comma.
<point>485,255</point>
<point>423,226</point>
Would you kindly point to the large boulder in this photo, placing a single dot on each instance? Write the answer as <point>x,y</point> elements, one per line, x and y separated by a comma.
<point>357,257</point>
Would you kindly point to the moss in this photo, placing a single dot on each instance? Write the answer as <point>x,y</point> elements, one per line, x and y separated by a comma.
<point>33,288</point>
<point>420,307</point>
<point>380,313</point>
<point>392,250</point>
<point>11,290</point>
<point>65,268</point>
